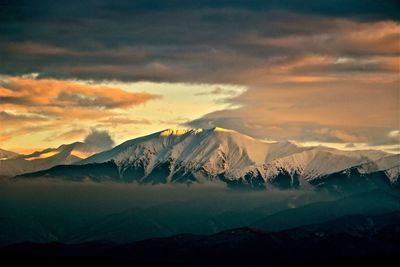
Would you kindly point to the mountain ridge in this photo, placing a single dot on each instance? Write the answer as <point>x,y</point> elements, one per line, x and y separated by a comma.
<point>351,238</point>
<point>46,158</point>
<point>217,154</point>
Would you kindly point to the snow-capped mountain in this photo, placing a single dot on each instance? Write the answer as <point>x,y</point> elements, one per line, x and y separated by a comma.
<point>213,151</point>
<point>16,164</point>
<point>222,155</point>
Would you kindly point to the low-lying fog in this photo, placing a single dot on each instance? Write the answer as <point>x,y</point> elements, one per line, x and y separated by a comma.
<point>24,197</point>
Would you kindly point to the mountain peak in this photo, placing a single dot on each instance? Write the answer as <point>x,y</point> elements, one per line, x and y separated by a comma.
<point>177,132</point>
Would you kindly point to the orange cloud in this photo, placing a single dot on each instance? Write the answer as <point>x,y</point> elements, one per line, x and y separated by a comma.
<point>114,121</point>
<point>348,111</point>
<point>34,106</point>
<point>18,119</point>
<point>26,129</point>
<point>337,49</point>
<point>339,36</point>
<point>57,93</point>
<point>73,135</point>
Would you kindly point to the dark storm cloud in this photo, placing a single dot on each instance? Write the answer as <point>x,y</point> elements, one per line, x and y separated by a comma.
<point>161,40</point>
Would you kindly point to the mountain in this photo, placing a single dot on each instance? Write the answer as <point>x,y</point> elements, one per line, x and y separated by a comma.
<point>5,154</point>
<point>374,202</point>
<point>174,218</point>
<point>206,215</point>
<point>40,160</point>
<point>351,239</point>
<point>222,155</point>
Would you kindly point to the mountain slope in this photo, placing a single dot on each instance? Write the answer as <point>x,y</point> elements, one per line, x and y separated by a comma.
<point>200,155</point>
<point>374,202</point>
<point>40,160</point>
<point>5,154</point>
<point>352,239</point>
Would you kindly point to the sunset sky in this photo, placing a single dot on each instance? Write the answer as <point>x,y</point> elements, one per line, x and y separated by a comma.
<point>317,72</point>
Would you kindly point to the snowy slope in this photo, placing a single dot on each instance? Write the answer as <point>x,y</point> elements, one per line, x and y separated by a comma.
<point>40,160</point>
<point>214,151</point>
<point>318,161</point>
<point>389,164</point>
<point>207,153</point>
<point>198,146</point>
<point>199,155</point>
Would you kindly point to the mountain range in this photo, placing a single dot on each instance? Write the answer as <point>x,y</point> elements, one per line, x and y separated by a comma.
<point>351,239</point>
<point>221,156</point>
<point>12,164</point>
<point>200,216</point>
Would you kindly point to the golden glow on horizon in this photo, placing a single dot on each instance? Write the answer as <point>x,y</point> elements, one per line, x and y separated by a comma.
<point>81,154</point>
<point>44,155</point>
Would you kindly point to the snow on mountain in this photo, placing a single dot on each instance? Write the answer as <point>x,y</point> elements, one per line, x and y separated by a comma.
<point>222,155</point>
<point>318,161</point>
<point>40,160</point>
<point>384,163</point>
<point>214,151</point>
<point>393,174</point>
<point>389,164</point>
<point>207,154</point>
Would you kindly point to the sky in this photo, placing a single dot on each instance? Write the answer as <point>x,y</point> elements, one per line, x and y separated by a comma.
<point>317,72</point>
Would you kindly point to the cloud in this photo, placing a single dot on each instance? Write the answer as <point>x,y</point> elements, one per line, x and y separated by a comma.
<point>220,91</point>
<point>114,121</point>
<point>57,99</point>
<point>15,124</point>
<point>321,70</point>
<point>392,137</point>
<point>174,121</point>
<point>350,145</point>
<point>73,135</point>
<point>56,93</point>
<point>31,105</point>
<point>300,131</point>
<point>100,139</point>
<point>321,111</point>
<point>222,43</point>
<point>25,130</point>
<point>16,119</point>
